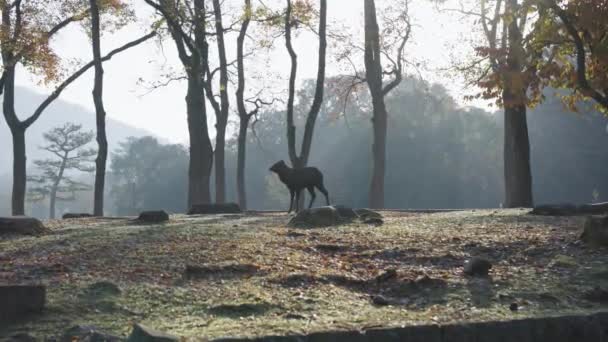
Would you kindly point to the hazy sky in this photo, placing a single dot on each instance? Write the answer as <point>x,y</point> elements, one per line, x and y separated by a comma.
<point>162,112</point>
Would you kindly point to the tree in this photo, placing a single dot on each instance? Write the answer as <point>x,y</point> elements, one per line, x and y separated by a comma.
<point>100,113</point>
<point>148,175</point>
<point>26,31</point>
<point>573,46</point>
<point>374,50</point>
<point>67,144</point>
<point>297,13</point>
<point>505,69</point>
<point>222,108</point>
<point>186,22</point>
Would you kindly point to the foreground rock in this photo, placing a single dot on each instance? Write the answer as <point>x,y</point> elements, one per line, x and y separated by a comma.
<point>156,216</point>
<point>217,208</point>
<point>142,333</point>
<point>595,231</point>
<point>477,267</point>
<point>21,225</point>
<point>318,217</point>
<point>68,216</point>
<point>19,301</point>
<point>86,333</point>
<point>333,216</point>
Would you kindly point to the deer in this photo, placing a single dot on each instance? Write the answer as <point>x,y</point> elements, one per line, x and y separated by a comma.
<point>298,179</point>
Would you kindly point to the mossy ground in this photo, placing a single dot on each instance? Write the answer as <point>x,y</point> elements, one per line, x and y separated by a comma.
<point>111,273</point>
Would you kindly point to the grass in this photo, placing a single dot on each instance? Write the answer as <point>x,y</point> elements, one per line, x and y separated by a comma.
<point>257,277</point>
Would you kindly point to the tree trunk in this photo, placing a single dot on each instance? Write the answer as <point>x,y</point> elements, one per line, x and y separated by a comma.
<point>201,151</point>
<point>222,116</point>
<point>244,116</point>
<point>376,191</point>
<point>373,67</point>
<point>18,133</point>
<point>518,175</point>
<point>241,162</point>
<point>100,113</point>
<point>19,171</point>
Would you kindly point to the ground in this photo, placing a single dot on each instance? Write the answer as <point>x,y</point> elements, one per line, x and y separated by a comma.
<point>251,275</point>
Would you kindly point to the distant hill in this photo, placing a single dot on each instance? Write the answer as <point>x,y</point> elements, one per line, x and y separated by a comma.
<point>57,114</point>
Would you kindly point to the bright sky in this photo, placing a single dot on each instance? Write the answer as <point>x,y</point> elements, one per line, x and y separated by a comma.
<point>436,36</point>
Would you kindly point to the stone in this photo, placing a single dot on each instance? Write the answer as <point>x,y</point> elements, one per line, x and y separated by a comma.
<point>141,333</point>
<point>317,218</point>
<point>86,333</point>
<point>216,208</point>
<point>346,212</point>
<point>374,221</point>
<point>68,216</point>
<point>19,301</point>
<point>513,307</point>
<point>477,267</point>
<point>595,231</point>
<point>367,213</point>
<point>555,210</point>
<point>21,225</point>
<point>156,216</point>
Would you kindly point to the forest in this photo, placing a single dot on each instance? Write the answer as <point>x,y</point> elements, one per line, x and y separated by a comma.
<point>464,182</point>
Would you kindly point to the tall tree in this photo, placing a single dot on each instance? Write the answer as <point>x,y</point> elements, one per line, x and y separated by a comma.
<point>186,22</point>
<point>26,31</point>
<point>505,70</point>
<point>54,182</point>
<point>100,113</point>
<point>222,108</point>
<point>293,16</point>
<point>374,78</point>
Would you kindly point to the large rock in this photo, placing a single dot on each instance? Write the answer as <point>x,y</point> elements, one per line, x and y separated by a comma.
<point>21,225</point>
<point>317,217</point>
<point>595,231</point>
<point>68,216</point>
<point>86,333</point>
<point>142,333</point>
<point>217,208</point>
<point>156,216</point>
<point>18,301</point>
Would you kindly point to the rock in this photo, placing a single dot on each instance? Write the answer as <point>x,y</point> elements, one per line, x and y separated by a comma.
<point>563,261</point>
<point>142,333</point>
<point>86,333</point>
<point>217,208</point>
<point>367,213</point>
<point>555,210</point>
<point>594,209</point>
<point>21,225</point>
<point>21,300</point>
<point>68,216</point>
<point>317,217</point>
<point>595,231</point>
<point>380,300</point>
<point>597,295</point>
<point>346,213</point>
<point>374,221</point>
<point>513,307</point>
<point>157,216</point>
<point>477,267</point>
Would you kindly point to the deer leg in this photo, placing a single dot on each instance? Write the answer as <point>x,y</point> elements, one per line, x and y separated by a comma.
<point>311,190</point>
